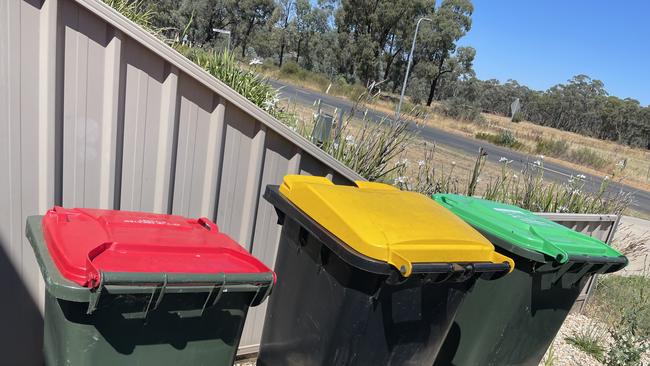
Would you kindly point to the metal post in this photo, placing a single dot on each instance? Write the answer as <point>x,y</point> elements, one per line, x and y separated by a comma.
<point>223,31</point>
<point>408,66</point>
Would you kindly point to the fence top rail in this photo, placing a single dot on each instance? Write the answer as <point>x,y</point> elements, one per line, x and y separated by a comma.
<point>579,217</point>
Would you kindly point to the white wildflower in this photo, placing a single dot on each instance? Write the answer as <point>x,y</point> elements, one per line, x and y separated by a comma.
<point>349,139</point>
<point>453,163</point>
<point>514,176</point>
<point>400,180</point>
<point>268,104</point>
<point>541,157</point>
<point>420,162</point>
<point>537,162</point>
<point>502,159</point>
<point>606,177</point>
<point>255,61</point>
<point>581,176</point>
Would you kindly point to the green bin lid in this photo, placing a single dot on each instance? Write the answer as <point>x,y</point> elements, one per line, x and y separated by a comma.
<point>524,229</point>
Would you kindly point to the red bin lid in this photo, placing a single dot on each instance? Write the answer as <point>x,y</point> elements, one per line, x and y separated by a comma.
<point>85,242</point>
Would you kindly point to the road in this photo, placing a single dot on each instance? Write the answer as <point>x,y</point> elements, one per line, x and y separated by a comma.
<point>554,172</point>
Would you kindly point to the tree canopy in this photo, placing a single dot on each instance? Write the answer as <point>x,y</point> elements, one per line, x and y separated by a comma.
<point>363,41</point>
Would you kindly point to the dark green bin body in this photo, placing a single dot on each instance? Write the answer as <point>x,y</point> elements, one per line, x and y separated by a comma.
<point>198,320</point>
<point>512,321</point>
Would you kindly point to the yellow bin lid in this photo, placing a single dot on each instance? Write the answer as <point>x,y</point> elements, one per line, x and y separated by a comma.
<point>384,223</point>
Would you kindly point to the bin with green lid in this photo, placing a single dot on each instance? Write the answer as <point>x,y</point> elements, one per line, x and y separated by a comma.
<point>514,320</point>
<point>132,288</point>
<point>367,274</point>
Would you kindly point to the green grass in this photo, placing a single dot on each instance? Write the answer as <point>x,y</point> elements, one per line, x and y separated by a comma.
<point>587,157</point>
<point>503,138</point>
<point>291,71</point>
<point>618,297</point>
<point>527,189</point>
<point>555,148</point>
<point>587,343</point>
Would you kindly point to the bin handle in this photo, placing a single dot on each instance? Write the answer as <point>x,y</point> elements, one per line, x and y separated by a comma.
<point>161,282</point>
<point>440,268</point>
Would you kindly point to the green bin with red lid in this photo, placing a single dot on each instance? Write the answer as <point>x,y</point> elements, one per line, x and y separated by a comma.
<point>140,288</point>
<point>513,321</point>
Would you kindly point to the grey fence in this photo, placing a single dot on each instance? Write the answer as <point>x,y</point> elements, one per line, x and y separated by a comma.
<point>96,112</point>
<point>601,227</point>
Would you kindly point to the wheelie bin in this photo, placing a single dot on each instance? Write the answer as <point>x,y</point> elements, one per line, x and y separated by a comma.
<point>367,274</point>
<point>514,320</point>
<point>129,288</point>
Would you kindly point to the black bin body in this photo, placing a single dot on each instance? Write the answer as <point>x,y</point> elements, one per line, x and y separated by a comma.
<point>334,306</point>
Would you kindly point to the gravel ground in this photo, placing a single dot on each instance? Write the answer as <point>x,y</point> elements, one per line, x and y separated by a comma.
<point>245,362</point>
<point>565,354</point>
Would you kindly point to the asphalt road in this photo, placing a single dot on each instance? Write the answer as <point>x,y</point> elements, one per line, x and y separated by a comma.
<point>553,172</point>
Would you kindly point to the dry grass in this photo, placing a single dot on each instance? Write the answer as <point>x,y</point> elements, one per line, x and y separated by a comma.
<point>636,172</point>
<point>445,160</point>
<point>637,168</point>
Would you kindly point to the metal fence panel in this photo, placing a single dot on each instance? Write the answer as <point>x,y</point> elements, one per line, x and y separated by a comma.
<point>601,227</point>
<point>96,112</point>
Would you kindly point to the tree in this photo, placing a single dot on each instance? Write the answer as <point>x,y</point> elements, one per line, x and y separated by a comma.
<point>451,21</point>
<point>283,13</point>
<point>372,31</point>
<point>246,16</point>
<point>308,22</point>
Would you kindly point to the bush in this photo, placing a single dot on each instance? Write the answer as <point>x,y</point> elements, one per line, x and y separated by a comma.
<point>556,148</point>
<point>459,109</point>
<point>518,117</point>
<point>253,87</point>
<point>624,303</point>
<point>589,340</point>
<point>588,157</point>
<point>292,70</point>
<point>504,138</point>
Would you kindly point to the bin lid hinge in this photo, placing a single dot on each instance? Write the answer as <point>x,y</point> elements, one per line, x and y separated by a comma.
<point>214,295</point>
<point>157,293</point>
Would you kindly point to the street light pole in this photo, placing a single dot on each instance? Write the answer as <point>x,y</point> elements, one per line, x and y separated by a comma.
<point>408,66</point>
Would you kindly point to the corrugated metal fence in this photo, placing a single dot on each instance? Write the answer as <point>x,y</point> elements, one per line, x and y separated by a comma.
<point>95,112</point>
<point>602,227</point>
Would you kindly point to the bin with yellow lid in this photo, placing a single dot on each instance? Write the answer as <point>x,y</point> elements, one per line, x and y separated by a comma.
<point>367,274</point>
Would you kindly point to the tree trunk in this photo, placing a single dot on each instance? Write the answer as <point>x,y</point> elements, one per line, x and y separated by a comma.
<point>432,90</point>
<point>434,83</point>
<point>298,50</point>
<point>246,36</point>
<point>281,51</point>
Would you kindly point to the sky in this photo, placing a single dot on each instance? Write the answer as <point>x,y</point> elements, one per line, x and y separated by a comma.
<point>543,43</point>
